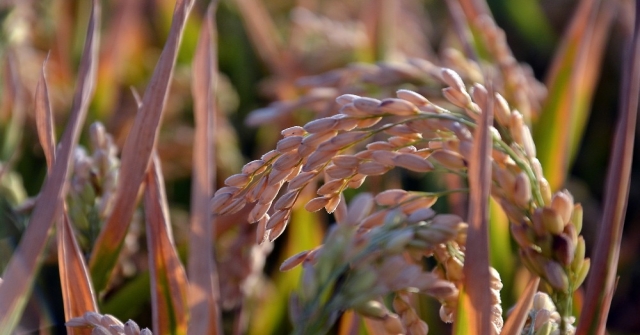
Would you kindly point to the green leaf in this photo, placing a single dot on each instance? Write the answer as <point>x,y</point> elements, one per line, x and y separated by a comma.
<point>571,83</point>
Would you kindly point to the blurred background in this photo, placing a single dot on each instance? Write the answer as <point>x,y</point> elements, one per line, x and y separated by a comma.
<point>265,48</point>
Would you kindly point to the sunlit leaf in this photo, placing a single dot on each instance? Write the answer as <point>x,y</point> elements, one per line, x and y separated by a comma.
<point>136,154</point>
<point>77,294</point>
<point>519,313</point>
<point>601,281</point>
<point>474,309</point>
<point>20,272</point>
<point>168,278</point>
<point>571,83</point>
<point>204,287</point>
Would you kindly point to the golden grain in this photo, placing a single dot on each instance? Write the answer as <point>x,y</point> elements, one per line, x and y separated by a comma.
<point>413,163</point>
<point>316,204</point>
<point>368,105</point>
<point>288,143</point>
<point>320,125</point>
<point>412,97</point>
<point>391,197</point>
<point>252,167</point>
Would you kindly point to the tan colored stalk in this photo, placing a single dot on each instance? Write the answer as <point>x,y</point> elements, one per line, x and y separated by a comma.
<point>204,295</point>
<point>602,282</point>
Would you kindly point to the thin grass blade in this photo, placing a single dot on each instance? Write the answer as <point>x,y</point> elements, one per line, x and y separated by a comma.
<point>571,82</point>
<point>601,281</point>
<point>204,288</point>
<point>519,314</point>
<point>168,278</point>
<point>474,308</point>
<point>20,272</point>
<point>77,293</point>
<point>136,154</point>
<point>44,118</point>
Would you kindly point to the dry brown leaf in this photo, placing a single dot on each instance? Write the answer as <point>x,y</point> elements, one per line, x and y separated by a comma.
<point>136,154</point>
<point>476,297</point>
<point>168,278</point>
<point>520,312</point>
<point>44,118</point>
<point>602,279</point>
<point>21,269</point>
<point>77,293</point>
<point>204,287</point>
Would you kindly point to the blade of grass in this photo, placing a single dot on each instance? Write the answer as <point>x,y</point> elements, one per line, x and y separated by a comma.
<point>204,295</point>
<point>77,293</point>
<point>44,119</point>
<point>168,278</point>
<point>601,281</point>
<point>20,272</point>
<point>571,82</point>
<point>136,154</point>
<point>474,309</point>
<point>519,314</point>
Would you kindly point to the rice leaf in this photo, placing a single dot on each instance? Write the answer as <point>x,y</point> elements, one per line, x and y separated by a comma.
<point>136,154</point>
<point>168,278</point>
<point>20,272</point>
<point>77,294</point>
<point>571,82</point>
<point>518,316</point>
<point>601,281</point>
<point>474,309</point>
<point>204,288</point>
<point>44,118</point>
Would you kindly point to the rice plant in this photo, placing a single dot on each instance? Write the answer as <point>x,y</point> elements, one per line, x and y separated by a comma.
<point>346,167</point>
